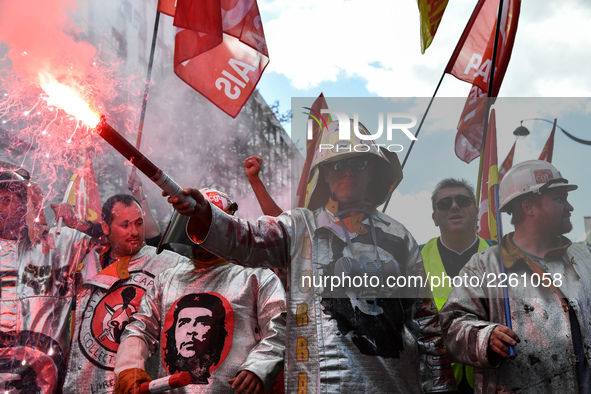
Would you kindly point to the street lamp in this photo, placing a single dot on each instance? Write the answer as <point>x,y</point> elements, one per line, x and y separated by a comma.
<point>522,131</point>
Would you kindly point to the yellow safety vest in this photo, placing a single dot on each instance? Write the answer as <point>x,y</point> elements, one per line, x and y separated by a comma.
<point>434,267</point>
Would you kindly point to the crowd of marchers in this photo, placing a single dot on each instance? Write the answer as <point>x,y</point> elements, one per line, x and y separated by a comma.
<point>100,307</point>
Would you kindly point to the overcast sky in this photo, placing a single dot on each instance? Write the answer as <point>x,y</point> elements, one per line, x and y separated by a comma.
<point>372,49</point>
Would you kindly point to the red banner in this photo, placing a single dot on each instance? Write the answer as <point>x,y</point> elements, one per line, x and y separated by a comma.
<point>220,49</point>
<point>84,194</point>
<point>507,163</point>
<point>471,62</point>
<point>490,178</point>
<point>166,7</point>
<point>316,119</point>
<point>549,147</point>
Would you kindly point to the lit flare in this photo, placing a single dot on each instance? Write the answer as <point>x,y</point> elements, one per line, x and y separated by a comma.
<point>66,98</point>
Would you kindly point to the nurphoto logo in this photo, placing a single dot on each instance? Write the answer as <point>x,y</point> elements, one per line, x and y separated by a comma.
<point>395,122</point>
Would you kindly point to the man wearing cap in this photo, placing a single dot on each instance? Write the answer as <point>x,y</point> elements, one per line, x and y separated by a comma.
<point>37,269</point>
<point>345,339</point>
<point>222,323</point>
<point>109,286</point>
<point>455,213</point>
<point>549,292</point>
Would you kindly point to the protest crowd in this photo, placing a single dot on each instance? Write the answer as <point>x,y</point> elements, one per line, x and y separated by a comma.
<point>328,295</point>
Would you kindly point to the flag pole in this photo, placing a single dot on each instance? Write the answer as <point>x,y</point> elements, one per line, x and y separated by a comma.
<point>140,128</point>
<point>488,101</point>
<point>417,133</point>
<point>480,170</point>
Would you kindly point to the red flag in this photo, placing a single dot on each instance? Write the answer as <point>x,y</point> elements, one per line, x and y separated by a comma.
<point>220,49</point>
<point>317,120</point>
<point>490,178</point>
<point>84,194</point>
<point>471,62</point>
<point>507,163</point>
<point>166,7</point>
<point>549,147</point>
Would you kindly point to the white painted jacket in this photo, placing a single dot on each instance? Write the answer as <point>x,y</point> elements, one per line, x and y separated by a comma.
<point>252,322</point>
<point>342,345</point>
<point>104,306</point>
<point>539,314</point>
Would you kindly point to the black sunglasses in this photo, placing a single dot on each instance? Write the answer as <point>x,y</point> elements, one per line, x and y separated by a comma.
<point>357,164</point>
<point>446,202</point>
<point>19,174</point>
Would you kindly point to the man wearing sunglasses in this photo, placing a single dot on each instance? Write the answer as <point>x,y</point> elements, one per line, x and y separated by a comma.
<point>549,294</point>
<point>350,340</point>
<point>455,213</point>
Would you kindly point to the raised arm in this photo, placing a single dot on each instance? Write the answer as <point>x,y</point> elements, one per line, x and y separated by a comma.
<point>252,166</point>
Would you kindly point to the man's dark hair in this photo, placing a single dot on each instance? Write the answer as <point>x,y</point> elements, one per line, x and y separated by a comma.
<point>213,342</point>
<point>452,182</point>
<point>515,208</point>
<point>18,188</point>
<point>125,199</point>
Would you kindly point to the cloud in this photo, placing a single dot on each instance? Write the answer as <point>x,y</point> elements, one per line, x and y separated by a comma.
<point>414,212</point>
<point>312,42</point>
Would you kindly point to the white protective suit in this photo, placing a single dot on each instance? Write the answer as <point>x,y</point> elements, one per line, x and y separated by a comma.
<point>545,356</point>
<point>36,296</point>
<point>245,332</point>
<point>342,345</point>
<point>105,301</point>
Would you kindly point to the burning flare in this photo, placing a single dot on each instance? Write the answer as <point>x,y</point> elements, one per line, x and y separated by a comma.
<point>66,98</point>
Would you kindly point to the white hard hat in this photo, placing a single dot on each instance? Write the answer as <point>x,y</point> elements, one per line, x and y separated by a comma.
<point>220,200</point>
<point>387,168</point>
<point>532,176</point>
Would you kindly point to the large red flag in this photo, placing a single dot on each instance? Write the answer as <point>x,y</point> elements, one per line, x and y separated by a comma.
<point>490,178</point>
<point>316,120</point>
<point>471,62</point>
<point>507,163</point>
<point>220,48</point>
<point>84,194</point>
<point>549,147</point>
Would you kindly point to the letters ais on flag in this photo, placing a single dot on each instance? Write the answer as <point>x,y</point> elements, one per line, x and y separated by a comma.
<point>431,12</point>
<point>472,62</point>
<point>220,48</point>
<point>490,177</point>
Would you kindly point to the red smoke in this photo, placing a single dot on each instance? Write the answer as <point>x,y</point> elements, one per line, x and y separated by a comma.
<point>35,31</point>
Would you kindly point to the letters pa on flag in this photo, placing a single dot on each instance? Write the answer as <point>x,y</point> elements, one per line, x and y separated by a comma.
<point>220,48</point>
<point>472,62</point>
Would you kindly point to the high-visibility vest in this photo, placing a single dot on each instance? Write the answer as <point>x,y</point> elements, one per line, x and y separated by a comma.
<point>434,267</point>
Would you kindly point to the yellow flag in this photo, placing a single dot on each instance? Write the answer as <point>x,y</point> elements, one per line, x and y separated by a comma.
<point>431,13</point>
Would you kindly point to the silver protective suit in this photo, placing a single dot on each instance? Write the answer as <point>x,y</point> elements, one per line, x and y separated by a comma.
<point>104,306</point>
<point>36,295</point>
<point>253,319</point>
<point>539,314</point>
<point>342,345</point>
